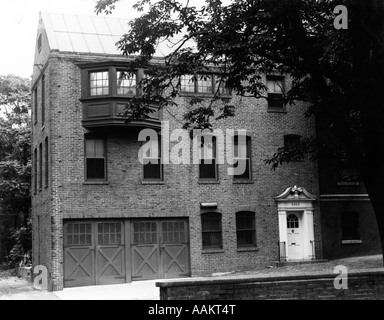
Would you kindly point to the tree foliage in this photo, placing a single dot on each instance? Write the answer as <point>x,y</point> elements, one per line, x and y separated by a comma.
<point>15,146</point>
<point>339,72</point>
<point>21,240</point>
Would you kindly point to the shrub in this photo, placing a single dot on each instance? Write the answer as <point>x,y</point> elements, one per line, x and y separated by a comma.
<point>21,240</point>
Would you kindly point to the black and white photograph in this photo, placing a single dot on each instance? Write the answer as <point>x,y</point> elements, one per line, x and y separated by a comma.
<point>189,150</point>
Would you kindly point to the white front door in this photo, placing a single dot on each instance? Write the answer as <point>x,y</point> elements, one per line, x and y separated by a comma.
<point>295,245</point>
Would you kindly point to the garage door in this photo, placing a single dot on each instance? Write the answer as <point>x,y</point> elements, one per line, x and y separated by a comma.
<point>94,253</point>
<point>160,249</point>
<point>100,252</point>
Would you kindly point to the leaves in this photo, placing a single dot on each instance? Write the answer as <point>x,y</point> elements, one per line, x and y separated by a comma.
<point>15,145</point>
<point>338,72</point>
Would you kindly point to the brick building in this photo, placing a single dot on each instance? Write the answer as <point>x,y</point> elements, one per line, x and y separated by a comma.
<point>102,217</point>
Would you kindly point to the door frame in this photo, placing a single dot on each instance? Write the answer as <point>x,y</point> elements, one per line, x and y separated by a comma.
<point>295,199</point>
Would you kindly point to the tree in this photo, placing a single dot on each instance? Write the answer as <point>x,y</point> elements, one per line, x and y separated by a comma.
<point>339,71</point>
<point>15,154</point>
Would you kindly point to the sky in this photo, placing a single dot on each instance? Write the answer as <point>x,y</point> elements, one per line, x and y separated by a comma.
<point>19,22</point>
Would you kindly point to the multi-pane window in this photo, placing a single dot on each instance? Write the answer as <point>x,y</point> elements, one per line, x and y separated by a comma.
<point>78,234</point>
<point>242,152</point>
<point>35,169</point>
<point>42,100</point>
<point>152,167</point>
<point>40,166</point>
<point>188,83</point>
<point>95,159</point>
<point>211,230</point>
<point>245,229</point>
<point>173,232</point>
<point>223,89</point>
<point>205,83</point>
<point>109,233</point>
<point>46,150</point>
<point>99,83</point>
<point>292,221</point>
<point>208,164</point>
<point>144,232</point>
<point>350,225</point>
<point>126,83</point>
<point>275,87</point>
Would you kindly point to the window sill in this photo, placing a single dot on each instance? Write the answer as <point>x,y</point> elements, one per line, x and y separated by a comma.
<point>247,249</point>
<point>276,110</point>
<point>208,181</point>
<point>209,251</point>
<point>204,95</point>
<point>108,96</point>
<point>243,182</point>
<point>341,183</point>
<point>351,241</point>
<point>153,182</point>
<point>96,182</point>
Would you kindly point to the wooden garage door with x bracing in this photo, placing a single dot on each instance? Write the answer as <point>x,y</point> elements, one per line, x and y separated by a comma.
<point>160,249</point>
<point>93,253</point>
<point>110,258</point>
<point>174,249</point>
<point>78,254</point>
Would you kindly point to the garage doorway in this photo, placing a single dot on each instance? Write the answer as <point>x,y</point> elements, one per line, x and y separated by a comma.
<point>99,252</point>
<point>160,249</point>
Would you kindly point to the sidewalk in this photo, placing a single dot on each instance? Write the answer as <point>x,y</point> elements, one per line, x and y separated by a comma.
<point>352,264</point>
<point>13,288</point>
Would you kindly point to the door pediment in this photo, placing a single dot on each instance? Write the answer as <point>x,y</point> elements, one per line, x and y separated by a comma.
<point>295,193</point>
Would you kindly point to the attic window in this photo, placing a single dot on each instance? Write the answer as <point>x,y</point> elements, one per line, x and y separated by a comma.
<point>39,43</point>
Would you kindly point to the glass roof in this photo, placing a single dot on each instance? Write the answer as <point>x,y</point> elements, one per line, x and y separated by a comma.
<point>88,34</point>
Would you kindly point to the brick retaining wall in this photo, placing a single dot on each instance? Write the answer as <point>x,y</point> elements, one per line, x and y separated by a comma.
<point>361,285</point>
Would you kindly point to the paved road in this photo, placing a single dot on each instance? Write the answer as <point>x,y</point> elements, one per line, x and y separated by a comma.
<point>13,288</point>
